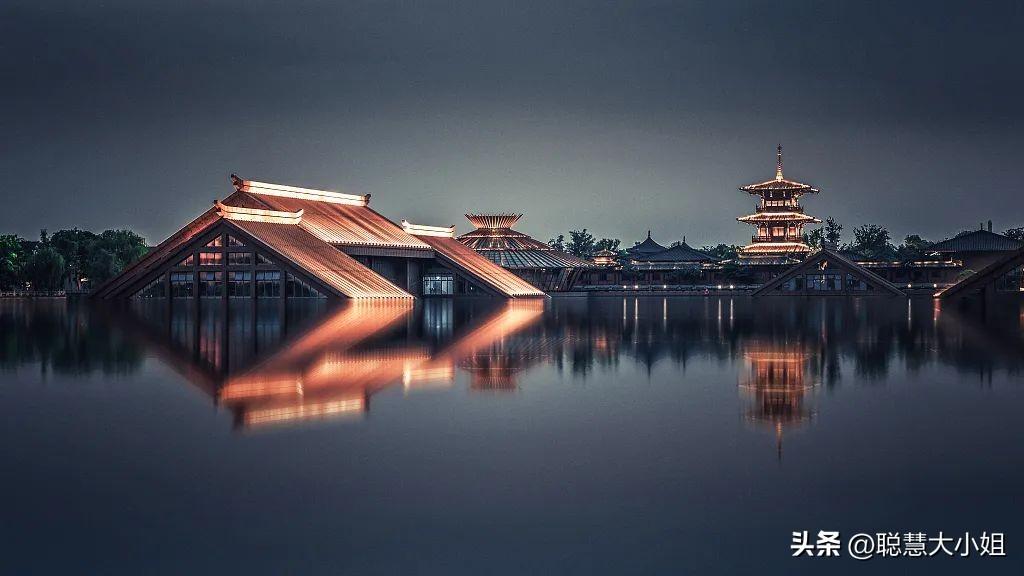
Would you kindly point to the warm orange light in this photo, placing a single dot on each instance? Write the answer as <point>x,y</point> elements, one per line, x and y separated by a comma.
<point>270,189</point>
<point>422,230</point>
<point>258,215</point>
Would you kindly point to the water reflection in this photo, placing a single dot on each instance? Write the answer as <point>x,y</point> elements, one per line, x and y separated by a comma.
<point>271,364</point>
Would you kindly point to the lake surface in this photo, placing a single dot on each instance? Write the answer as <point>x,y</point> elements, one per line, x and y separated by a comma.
<point>573,436</point>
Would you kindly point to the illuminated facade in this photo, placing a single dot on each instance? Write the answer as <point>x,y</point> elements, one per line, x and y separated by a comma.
<point>271,241</point>
<point>779,218</point>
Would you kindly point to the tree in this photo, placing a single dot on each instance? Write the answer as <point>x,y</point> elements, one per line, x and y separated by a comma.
<point>913,248</point>
<point>558,243</point>
<point>815,237</point>
<point>581,244</point>
<point>607,244</point>
<point>125,245</point>
<point>12,260</point>
<point>833,231</point>
<point>45,268</point>
<point>102,264</point>
<point>1015,233</point>
<point>76,247</point>
<point>871,242</point>
<point>722,251</point>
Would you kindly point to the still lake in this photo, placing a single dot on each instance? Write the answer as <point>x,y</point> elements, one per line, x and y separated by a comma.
<point>584,436</point>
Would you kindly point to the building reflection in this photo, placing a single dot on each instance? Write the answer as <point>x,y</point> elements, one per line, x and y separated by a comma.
<point>272,366</point>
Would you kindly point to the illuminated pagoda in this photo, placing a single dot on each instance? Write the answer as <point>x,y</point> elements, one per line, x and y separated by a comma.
<point>779,218</point>
<point>532,260</point>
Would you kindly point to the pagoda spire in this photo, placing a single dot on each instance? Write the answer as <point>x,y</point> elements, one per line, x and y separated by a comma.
<point>778,169</point>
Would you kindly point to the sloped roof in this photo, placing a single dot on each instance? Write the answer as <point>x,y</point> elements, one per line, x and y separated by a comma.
<point>976,241</point>
<point>516,259</point>
<point>980,279</point>
<point>648,246</point>
<point>681,252</point>
<point>827,254</point>
<point>322,260</point>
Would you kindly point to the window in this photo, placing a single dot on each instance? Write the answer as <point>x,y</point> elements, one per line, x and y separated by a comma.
<point>232,241</point>
<point>155,289</point>
<point>239,284</point>
<point>827,282</point>
<point>794,284</point>
<point>299,289</point>
<point>268,284</point>
<point>438,285</point>
<point>188,261</point>
<point>210,258</point>
<point>211,284</point>
<point>262,260</point>
<point>181,284</point>
<point>239,259</point>
<point>216,242</point>
<point>855,284</point>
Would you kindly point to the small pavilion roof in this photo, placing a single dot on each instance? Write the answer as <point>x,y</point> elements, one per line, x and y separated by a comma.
<point>779,217</point>
<point>648,246</point>
<point>681,252</point>
<point>496,240</point>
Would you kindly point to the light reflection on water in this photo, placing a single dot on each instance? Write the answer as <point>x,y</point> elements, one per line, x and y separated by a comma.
<point>675,423</point>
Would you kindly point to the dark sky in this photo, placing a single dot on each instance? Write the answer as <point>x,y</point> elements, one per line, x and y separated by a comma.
<point>617,117</point>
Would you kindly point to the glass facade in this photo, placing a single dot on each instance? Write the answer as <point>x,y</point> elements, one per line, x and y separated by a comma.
<point>299,289</point>
<point>155,289</point>
<point>438,285</point>
<point>182,284</point>
<point>239,284</point>
<point>239,258</point>
<point>268,284</point>
<point>211,284</point>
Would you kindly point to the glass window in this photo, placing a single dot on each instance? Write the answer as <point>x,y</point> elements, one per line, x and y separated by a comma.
<point>855,284</point>
<point>438,285</point>
<point>181,284</point>
<point>188,261</point>
<point>216,242</point>
<point>268,284</point>
<point>211,284</point>
<point>155,289</point>
<point>239,284</point>
<point>239,258</point>
<point>210,258</point>
<point>829,281</point>
<point>299,289</point>
<point>232,241</point>
<point>262,260</point>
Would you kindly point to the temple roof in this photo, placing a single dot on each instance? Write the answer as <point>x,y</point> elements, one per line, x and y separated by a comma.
<point>779,183</point>
<point>648,246</point>
<point>778,217</point>
<point>681,252</point>
<point>977,241</point>
<point>497,241</point>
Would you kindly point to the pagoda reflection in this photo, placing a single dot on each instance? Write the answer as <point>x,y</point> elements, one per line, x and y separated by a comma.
<point>777,383</point>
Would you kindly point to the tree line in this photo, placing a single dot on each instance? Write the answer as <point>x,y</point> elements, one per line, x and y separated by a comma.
<point>870,242</point>
<point>67,258</point>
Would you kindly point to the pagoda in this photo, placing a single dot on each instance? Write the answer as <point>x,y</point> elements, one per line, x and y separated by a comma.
<point>779,218</point>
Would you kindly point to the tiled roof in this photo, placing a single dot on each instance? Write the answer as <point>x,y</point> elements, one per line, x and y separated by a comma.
<point>976,241</point>
<point>648,246</point>
<point>322,260</point>
<point>778,217</point>
<point>501,239</point>
<point>343,224</point>
<point>473,264</point>
<point>681,252</point>
<point>779,185</point>
<point>516,259</point>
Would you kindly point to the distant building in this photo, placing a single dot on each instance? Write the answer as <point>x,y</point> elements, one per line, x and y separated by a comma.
<point>778,218</point>
<point>975,249</point>
<point>645,248</point>
<point>538,263</point>
<point>606,259</point>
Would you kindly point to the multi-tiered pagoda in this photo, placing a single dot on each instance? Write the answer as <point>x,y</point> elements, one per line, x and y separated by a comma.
<point>779,218</point>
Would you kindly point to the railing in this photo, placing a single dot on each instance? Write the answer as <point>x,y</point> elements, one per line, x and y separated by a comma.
<point>787,238</point>
<point>32,294</point>
<point>798,209</point>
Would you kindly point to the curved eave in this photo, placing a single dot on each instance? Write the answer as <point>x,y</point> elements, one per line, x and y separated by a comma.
<point>779,217</point>
<point>779,186</point>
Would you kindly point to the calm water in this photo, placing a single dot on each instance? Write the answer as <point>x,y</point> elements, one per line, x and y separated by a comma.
<point>572,436</point>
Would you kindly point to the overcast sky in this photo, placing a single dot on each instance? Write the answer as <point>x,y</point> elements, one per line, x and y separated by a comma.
<point>618,117</point>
